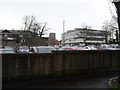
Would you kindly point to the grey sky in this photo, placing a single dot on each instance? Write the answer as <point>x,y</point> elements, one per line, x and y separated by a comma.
<point>74,12</point>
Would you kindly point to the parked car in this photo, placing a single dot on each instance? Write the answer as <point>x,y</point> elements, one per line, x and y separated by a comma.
<point>77,48</point>
<point>23,49</point>
<point>6,51</point>
<point>43,49</point>
<point>68,48</point>
<point>117,47</point>
<point>89,48</point>
<point>8,48</point>
<point>108,47</point>
<point>98,47</point>
<point>60,49</point>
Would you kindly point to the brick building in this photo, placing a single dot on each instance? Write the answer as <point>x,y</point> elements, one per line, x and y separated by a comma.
<point>16,37</point>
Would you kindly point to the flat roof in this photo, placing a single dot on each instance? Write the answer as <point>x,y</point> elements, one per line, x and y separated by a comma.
<point>116,0</point>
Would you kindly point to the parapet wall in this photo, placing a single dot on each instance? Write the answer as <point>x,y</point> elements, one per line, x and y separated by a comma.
<point>16,66</point>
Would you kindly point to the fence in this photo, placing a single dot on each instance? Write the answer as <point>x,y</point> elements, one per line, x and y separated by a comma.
<point>16,66</point>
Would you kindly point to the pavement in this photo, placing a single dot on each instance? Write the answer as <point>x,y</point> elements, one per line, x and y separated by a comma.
<point>71,82</point>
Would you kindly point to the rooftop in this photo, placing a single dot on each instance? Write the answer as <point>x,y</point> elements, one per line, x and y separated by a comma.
<point>116,0</point>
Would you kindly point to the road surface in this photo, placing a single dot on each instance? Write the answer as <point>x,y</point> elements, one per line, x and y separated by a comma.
<point>74,82</point>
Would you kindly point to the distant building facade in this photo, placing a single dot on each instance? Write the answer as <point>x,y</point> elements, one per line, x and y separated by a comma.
<point>52,39</point>
<point>16,38</point>
<point>81,37</point>
<point>7,38</point>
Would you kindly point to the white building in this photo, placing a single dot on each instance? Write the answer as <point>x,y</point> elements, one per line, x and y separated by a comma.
<point>82,37</point>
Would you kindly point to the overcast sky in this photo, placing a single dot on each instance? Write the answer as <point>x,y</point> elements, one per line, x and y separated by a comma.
<point>74,12</point>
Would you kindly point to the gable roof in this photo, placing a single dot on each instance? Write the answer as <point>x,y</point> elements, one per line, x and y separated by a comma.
<point>5,32</point>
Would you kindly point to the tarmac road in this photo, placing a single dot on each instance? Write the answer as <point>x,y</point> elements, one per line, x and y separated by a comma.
<point>74,82</point>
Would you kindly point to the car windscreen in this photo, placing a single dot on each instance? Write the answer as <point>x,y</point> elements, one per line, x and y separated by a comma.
<point>109,47</point>
<point>24,48</point>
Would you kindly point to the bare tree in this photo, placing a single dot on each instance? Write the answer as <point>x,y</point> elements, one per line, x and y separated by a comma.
<point>42,29</point>
<point>110,26</point>
<point>114,27</point>
<point>84,26</point>
<point>28,24</point>
<point>33,27</point>
<point>106,28</point>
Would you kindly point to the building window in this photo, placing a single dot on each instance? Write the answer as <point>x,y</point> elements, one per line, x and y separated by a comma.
<point>95,39</point>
